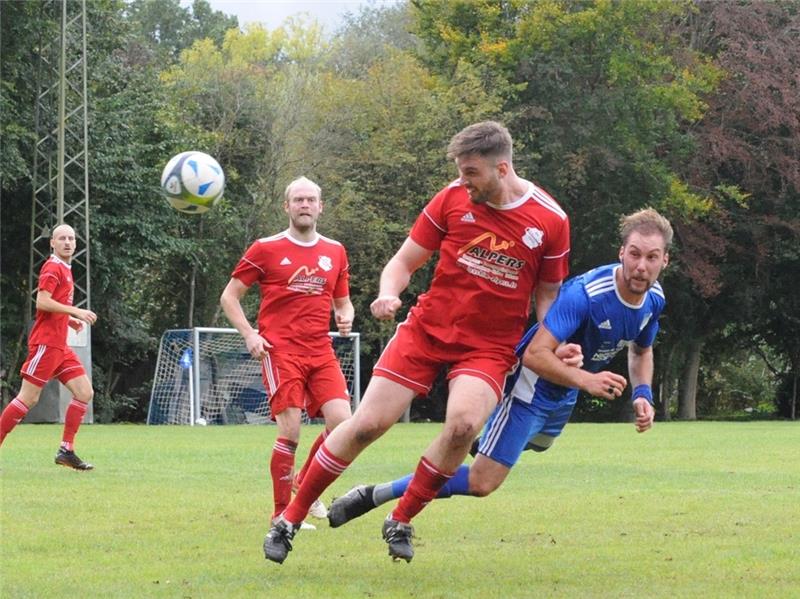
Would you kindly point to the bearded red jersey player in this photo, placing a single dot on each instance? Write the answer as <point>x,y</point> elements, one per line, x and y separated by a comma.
<point>499,238</point>
<point>49,356</point>
<point>300,275</point>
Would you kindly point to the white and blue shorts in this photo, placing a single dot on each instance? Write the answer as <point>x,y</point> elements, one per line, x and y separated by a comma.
<point>516,425</point>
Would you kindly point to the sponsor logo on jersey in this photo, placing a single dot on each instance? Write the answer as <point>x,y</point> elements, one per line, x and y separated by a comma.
<point>606,324</point>
<point>494,245</point>
<point>325,263</point>
<point>304,281</point>
<point>285,261</point>
<point>604,354</point>
<point>491,263</point>
<point>468,218</point>
<point>533,237</point>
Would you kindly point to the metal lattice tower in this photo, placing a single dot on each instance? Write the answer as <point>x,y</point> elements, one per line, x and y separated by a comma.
<point>60,165</point>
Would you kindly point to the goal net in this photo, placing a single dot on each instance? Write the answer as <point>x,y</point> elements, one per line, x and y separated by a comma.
<point>207,376</point>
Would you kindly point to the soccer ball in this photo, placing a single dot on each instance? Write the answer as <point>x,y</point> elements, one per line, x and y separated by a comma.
<point>192,182</point>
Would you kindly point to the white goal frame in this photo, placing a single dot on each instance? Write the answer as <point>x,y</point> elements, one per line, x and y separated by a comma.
<point>189,386</point>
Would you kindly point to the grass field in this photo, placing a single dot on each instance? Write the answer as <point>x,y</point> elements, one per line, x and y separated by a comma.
<point>686,510</point>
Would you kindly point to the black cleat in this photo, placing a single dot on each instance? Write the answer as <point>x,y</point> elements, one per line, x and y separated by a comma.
<point>278,542</point>
<point>398,535</point>
<point>356,502</point>
<point>68,458</point>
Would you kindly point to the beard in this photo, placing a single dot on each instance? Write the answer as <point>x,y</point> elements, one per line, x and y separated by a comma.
<point>488,194</point>
<point>304,223</point>
<point>637,286</point>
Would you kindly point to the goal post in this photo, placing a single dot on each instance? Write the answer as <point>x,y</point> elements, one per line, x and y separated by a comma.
<point>205,375</point>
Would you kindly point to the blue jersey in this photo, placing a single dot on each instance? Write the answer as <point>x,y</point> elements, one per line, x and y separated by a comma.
<point>590,312</point>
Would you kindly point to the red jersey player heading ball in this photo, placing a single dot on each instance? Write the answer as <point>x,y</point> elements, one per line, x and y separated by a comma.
<point>500,239</point>
<point>300,275</point>
<point>48,354</point>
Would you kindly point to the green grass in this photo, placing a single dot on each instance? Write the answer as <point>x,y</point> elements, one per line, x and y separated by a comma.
<point>686,510</point>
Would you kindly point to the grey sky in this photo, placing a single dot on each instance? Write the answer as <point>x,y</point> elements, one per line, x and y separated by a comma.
<point>272,13</point>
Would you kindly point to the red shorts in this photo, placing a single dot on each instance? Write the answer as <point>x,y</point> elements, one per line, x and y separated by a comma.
<point>46,362</point>
<point>299,381</point>
<point>413,359</point>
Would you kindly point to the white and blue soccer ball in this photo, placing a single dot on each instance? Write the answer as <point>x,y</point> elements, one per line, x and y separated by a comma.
<point>192,182</point>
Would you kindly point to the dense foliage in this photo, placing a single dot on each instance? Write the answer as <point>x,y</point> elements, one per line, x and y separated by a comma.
<point>690,107</point>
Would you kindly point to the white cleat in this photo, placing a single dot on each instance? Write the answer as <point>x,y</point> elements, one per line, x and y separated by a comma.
<point>318,510</point>
<point>307,526</point>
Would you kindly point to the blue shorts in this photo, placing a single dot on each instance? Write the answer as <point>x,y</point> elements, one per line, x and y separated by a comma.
<point>515,422</point>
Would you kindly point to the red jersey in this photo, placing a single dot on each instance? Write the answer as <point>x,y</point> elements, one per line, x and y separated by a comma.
<point>490,260</point>
<point>297,281</point>
<point>50,328</point>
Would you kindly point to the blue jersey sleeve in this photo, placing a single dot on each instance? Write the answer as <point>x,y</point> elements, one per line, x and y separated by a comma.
<point>568,312</point>
<point>648,335</point>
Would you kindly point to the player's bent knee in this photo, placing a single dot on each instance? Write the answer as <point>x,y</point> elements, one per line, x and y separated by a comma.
<point>462,432</point>
<point>483,488</point>
<point>367,431</point>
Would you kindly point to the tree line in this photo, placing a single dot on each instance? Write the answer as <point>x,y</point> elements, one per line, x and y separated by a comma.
<point>691,107</point>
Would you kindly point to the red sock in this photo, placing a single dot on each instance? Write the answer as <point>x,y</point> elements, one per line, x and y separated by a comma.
<point>298,479</point>
<point>422,489</point>
<point>11,417</point>
<point>324,469</point>
<point>281,468</point>
<point>72,421</point>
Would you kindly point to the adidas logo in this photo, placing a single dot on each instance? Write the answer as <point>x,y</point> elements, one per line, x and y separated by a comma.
<point>285,261</point>
<point>606,324</point>
<point>468,218</point>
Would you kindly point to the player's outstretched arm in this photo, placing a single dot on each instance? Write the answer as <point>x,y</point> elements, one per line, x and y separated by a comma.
<point>231,302</point>
<point>45,302</point>
<point>395,278</point>
<point>540,356</point>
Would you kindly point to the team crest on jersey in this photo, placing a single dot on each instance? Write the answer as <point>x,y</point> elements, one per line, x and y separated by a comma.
<point>325,263</point>
<point>533,237</point>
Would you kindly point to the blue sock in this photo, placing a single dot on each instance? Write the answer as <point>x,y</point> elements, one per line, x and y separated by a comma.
<point>457,485</point>
<point>400,485</point>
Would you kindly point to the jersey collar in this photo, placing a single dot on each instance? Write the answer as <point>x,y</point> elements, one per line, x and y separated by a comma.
<point>516,203</point>
<point>55,258</point>
<point>306,244</point>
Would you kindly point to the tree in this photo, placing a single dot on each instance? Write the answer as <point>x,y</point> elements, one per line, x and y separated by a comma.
<point>746,164</point>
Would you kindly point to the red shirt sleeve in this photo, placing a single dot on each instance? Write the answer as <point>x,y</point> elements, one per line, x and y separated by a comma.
<point>48,278</point>
<point>431,225</point>
<point>555,261</point>
<point>250,267</point>
<point>342,288</point>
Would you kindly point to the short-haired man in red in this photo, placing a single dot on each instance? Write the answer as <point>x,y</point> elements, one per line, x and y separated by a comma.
<point>49,356</point>
<point>300,274</point>
<point>500,239</point>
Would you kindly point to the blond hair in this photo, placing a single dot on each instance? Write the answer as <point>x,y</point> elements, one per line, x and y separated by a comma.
<point>302,181</point>
<point>646,222</point>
